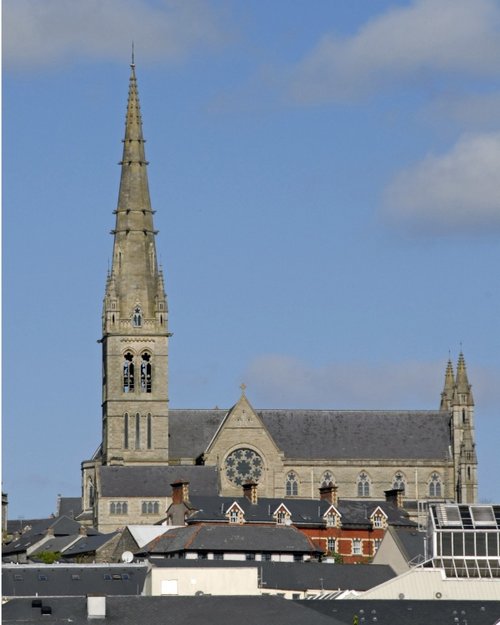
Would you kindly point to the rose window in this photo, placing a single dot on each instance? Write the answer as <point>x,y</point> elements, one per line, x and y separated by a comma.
<point>243,465</point>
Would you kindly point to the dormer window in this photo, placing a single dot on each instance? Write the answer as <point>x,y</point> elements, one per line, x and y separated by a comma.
<point>332,517</point>
<point>282,515</point>
<point>137,317</point>
<point>378,519</point>
<point>235,514</point>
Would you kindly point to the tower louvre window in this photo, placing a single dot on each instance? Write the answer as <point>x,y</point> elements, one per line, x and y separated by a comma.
<point>128,373</point>
<point>146,378</point>
<point>399,482</point>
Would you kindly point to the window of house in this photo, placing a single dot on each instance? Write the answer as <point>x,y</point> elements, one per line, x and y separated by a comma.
<point>250,556</point>
<point>435,485</point>
<point>234,516</point>
<point>298,557</point>
<point>75,577</point>
<point>376,544</point>
<point>292,484</point>
<point>218,555</point>
<point>118,507</point>
<point>331,544</point>
<point>150,507</point>
<point>42,577</point>
<point>281,517</point>
<point>378,521</point>
<point>363,485</point>
<point>266,556</point>
<point>128,373</point>
<point>356,546</point>
<point>18,578</point>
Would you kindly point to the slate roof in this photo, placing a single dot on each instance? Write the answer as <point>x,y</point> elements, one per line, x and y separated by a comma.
<point>72,580</point>
<point>69,506</point>
<point>154,481</point>
<point>88,544</point>
<point>231,538</point>
<point>304,512</point>
<point>61,526</point>
<point>411,542</point>
<point>408,612</point>
<point>181,611</point>
<point>299,575</point>
<point>323,434</point>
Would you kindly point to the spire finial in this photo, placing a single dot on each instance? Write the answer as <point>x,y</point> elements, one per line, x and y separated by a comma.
<point>133,56</point>
<point>243,387</point>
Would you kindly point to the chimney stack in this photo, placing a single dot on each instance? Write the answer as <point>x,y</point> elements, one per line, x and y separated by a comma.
<point>250,491</point>
<point>96,606</point>
<point>329,492</point>
<point>394,496</point>
<point>180,491</point>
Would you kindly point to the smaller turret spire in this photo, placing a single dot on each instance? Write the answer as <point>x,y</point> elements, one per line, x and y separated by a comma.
<point>463,393</point>
<point>449,384</point>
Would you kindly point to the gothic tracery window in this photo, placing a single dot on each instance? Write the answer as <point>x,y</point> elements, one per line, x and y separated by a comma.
<point>125,430</point>
<point>363,485</point>
<point>146,377</point>
<point>137,317</point>
<point>292,484</point>
<point>327,479</point>
<point>435,485</point>
<point>128,373</point>
<point>243,465</point>
<point>399,482</point>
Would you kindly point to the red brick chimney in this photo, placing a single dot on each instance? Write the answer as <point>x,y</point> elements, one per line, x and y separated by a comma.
<point>394,496</point>
<point>250,491</point>
<point>180,491</point>
<point>329,492</point>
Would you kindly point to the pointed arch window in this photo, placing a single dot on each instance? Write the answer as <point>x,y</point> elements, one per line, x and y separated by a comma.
<point>399,481</point>
<point>327,478</point>
<point>137,431</point>
<point>125,430</point>
<point>91,492</point>
<point>137,317</point>
<point>435,485</point>
<point>363,485</point>
<point>146,378</point>
<point>128,373</point>
<point>292,484</point>
<point>149,432</point>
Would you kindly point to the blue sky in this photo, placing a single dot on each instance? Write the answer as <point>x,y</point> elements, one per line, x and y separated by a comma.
<point>325,177</point>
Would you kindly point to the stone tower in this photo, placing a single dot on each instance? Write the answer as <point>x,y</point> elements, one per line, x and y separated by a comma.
<point>134,319</point>
<point>457,399</point>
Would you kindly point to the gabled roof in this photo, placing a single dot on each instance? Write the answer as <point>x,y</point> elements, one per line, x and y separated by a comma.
<point>304,512</point>
<point>88,544</point>
<point>410,542</point>
<point>60,526</point>
<point>235,538</point>
<point>155,481</point>
<point>326,434</point>
<point>69,506</point>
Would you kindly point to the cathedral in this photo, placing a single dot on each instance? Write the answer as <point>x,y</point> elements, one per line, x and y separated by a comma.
<point>429,455</point>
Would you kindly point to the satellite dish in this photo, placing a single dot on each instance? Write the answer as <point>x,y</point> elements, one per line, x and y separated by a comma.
<point>127,556</point>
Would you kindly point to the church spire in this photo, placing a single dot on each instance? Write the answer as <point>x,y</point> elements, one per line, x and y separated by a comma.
<point>463,392</point>
<point>449,384</point>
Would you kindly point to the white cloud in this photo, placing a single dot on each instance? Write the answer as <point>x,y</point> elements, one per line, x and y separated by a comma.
<point>454,192</point>
<point>44,32</point>
<point>276,380</point>
<point>406,44</point>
